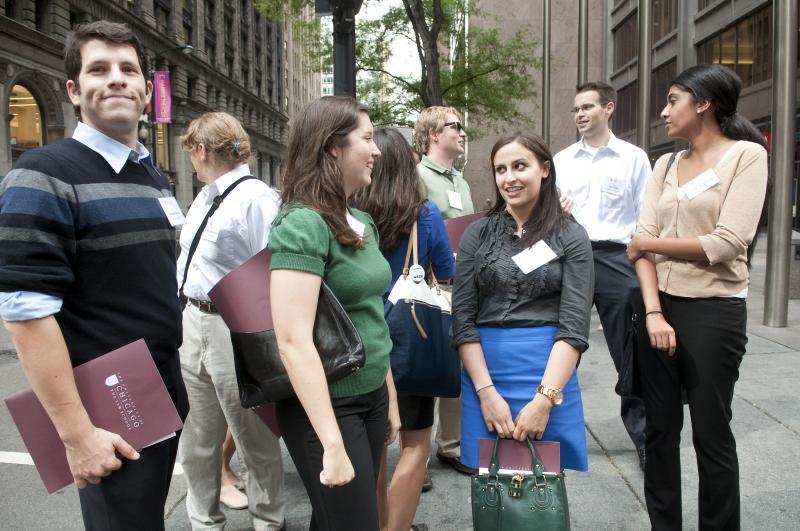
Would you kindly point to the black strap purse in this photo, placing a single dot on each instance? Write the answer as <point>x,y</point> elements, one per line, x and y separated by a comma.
<point>242,299</point>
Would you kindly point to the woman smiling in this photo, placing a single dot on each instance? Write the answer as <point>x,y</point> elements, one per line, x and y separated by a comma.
<point>521,303</point>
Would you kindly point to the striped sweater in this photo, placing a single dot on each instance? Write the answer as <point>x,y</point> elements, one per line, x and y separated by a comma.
<point>73,228</point>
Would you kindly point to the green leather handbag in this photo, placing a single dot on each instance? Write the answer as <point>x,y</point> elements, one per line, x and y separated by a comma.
<point>517,502</point>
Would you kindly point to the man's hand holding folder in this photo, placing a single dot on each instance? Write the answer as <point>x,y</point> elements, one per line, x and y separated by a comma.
<point>92,455</point>
<point>120,405</point>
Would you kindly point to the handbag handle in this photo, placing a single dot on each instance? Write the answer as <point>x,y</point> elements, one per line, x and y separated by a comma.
<point>412,248</point>
<point>537,468</point>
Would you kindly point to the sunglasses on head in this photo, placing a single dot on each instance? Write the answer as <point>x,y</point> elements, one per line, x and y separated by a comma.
<point>455,125</point>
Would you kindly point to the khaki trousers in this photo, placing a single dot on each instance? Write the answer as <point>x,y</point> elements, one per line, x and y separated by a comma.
<point>210,378</point>
<point>448,427</point>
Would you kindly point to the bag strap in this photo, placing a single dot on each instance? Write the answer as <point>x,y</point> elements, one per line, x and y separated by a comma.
<point>196,241</point>
<point>411,249</point>
<point>670,162</point>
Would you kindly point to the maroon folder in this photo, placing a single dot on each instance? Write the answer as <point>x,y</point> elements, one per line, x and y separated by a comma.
<point>456,227</point>
<point>242,300</point>
<point>267,415</point>
<point>122,392</point>
<point>515,456</point>
<point>242,296</point>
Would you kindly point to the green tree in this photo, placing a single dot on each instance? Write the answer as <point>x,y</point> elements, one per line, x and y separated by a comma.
<point>482,71</point>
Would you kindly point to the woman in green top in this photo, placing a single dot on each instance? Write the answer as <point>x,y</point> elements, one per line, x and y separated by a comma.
<point>334,431</point>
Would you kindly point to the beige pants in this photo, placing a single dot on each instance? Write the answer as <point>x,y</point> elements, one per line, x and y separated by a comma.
<point>448,427</point>
<point>209,375</point>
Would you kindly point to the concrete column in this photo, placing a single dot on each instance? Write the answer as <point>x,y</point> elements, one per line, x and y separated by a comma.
<point>546,71</point>
<point>784,91</point>
<point>644,76</point>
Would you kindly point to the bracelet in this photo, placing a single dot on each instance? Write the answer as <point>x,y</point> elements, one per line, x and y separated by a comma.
<point>653,312</point>
<point>484,387</point>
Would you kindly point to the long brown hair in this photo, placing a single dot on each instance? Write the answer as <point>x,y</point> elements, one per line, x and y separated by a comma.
<point>311,175</point>
<point>394,197</point>
<point>547,214</point>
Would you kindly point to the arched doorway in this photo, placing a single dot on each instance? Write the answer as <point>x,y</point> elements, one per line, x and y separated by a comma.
<point>25,121</point>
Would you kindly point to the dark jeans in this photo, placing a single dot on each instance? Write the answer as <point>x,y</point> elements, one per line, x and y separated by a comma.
<point>133,497</point>
<point>711,341</point>
<point>362,420</point>
<point>615,282</point>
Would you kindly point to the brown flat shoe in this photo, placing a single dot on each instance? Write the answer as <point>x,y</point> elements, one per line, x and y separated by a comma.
<point>456,464</point>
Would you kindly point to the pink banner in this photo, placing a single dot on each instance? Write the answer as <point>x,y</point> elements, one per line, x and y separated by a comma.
<point>162,98</point>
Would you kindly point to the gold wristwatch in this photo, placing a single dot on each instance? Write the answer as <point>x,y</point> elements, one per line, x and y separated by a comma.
<point>554,395</point>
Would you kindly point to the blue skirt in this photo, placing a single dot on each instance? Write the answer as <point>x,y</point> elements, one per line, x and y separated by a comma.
<point>516,358</point>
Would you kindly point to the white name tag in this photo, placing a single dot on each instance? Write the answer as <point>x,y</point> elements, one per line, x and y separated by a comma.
<point>534,257</point>
<point>612,186</point>
<point>356,225</point>
<point>699,184</point>
<point>172,210</point>
<point>210,234</point>
<point>454,198</point>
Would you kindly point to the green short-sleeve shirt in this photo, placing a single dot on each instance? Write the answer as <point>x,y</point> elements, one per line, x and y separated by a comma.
<point>301,240</point>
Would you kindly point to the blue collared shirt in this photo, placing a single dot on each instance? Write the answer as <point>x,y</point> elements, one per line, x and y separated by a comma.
<point>26,305</point>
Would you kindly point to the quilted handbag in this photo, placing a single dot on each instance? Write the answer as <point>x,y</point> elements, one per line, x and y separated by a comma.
<point>535,500</point>
<point>418,315</point>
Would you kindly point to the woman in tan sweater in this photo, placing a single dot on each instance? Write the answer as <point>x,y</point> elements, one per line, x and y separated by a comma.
<point>701,212</point>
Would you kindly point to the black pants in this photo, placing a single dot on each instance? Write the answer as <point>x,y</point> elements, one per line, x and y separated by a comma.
<point>615,282</point>
<point>133,497</point>
<point>362,420</point>
<point>711,341</point>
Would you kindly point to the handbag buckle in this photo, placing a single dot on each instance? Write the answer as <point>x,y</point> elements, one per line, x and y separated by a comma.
<point>515,488</point>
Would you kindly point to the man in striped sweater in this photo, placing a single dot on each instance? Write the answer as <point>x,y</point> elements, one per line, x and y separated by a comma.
<point>87,264</point>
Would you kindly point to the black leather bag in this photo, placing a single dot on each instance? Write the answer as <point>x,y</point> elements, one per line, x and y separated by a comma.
<point>242,298</point>
<point>260,372</point>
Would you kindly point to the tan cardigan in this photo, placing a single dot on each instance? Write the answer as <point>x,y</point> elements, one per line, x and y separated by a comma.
<point>724,218</point>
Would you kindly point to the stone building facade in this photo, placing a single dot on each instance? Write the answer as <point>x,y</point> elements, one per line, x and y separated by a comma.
<point>220,54</point>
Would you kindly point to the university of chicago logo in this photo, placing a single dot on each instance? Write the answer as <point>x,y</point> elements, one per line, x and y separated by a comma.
<point>126,405</point>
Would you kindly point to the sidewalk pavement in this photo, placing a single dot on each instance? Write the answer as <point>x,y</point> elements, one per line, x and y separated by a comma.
<point>766,422</point>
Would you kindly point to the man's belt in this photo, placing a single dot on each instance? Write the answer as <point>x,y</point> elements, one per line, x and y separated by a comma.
<point>203,306</point>
<point>606,245</point>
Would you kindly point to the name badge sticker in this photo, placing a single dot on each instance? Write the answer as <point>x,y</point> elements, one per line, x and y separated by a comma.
<point>700,184</point>
<point>454,198</point>
<point>172,210</point>
<point>210,234</point>
<point>612,186</point>
<point>356,225</point>
<point>534,257</point>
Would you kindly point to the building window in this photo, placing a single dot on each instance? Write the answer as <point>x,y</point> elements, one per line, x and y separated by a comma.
<point>161,11</point>
<point>665,18</point>
<point>25,125</point>
<point>188,22</point>
<point>625,110</point>
<point>210,8</point>
<point>626,41</point>
<point>702,4</point>
<point>662,76</point>
<point>41,17</point>
<point>745,47</point>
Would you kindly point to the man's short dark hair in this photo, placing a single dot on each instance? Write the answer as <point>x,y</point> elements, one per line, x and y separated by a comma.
<point>604,90</point>
<point>102,30</point>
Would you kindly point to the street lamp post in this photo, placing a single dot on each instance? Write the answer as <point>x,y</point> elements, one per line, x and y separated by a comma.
<point>344,42</point>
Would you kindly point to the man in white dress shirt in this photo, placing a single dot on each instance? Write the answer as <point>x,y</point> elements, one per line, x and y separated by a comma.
<point>602,180</point>
<point>219,149</point>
